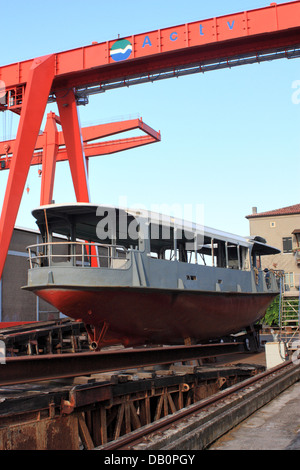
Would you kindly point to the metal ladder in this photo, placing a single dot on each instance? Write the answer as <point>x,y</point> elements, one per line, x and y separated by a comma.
<point>289,320</point>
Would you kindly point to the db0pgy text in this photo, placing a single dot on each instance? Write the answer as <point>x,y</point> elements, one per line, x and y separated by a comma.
<point>170,459</point>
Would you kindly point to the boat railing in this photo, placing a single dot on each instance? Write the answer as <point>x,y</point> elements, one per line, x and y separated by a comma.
<point>79,253</point>
<point>271,277</point>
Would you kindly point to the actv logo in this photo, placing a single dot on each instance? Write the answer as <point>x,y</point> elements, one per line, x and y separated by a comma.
<point>2,352</point>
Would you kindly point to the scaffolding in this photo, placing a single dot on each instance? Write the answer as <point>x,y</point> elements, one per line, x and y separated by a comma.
<point>289,318</point>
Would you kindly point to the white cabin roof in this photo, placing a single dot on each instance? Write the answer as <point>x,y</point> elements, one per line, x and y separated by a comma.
<point>150,217</point>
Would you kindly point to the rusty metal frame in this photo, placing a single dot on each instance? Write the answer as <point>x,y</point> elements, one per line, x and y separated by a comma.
<point>98,412</point>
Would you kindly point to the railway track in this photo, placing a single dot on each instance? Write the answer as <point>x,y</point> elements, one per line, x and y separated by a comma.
<point>138,409</point>
<point>93,409</point>
<point>198,425</point>
<point>182,407</point>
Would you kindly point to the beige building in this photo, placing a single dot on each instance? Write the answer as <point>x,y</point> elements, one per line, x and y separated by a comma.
<point>281,229</point>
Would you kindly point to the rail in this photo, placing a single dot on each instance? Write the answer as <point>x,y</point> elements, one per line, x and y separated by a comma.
<point>238,401</point>
<point>81,254</point>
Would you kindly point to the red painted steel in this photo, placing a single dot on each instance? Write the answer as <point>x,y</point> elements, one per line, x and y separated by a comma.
<point>66,103</point>
<point>8,324</point>
<point>29,83</point>
<point>89,134</point>
<point>169,46</point>
<point>159,317</point>
<point>37,92</point>
<point>50,147</point>
<point>49,160</point>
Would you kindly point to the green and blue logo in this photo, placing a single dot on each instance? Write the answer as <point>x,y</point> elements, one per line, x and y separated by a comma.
<point>121,50</point>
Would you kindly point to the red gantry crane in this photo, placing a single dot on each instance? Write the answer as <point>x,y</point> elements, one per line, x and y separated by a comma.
<point>50,147</point>
<point>70,77</point>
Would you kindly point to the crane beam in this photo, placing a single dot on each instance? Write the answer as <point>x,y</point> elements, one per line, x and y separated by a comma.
<point>89,134</point>
<point>50,147</point>
<point>272,28</point>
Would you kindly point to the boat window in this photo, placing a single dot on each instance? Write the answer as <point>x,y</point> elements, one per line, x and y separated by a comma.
<point>167,254</point>
<point>256,260</point>
<point>220,253</point>
<point>176,244</point>
<point>233,254</point>
<point>230,255</point>
<point>161,241</point>
<point>244,258</point>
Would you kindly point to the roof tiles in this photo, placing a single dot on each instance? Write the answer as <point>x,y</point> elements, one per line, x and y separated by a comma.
<point>289,210</point>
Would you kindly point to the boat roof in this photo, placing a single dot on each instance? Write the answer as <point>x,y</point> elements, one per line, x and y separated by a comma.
<point>90,214</point>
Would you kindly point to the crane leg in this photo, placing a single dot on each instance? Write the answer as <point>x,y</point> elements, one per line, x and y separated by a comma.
<point>67,107</point>
<point>49,159</point>
<point>35,100</point>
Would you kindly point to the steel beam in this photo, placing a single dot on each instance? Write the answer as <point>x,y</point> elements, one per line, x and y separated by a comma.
<point>227,61</point>
<point>270,27</point>
<point>67,106</point>
<point>89,134</point>
<point>50,150</point>
<point>26,369</point>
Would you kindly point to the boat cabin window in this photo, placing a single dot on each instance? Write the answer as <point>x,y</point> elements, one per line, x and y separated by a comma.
<point>109,227</point>
<point>86,235</point>
<point>175,244</point>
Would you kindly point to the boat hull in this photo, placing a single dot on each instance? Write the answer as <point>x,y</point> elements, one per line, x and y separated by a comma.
<point>158,316</point>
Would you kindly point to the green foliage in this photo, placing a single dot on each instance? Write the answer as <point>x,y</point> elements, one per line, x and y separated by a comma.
<point>290,311</point>
<point>271,317</point>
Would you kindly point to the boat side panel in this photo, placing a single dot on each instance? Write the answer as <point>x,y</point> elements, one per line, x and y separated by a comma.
<point>150,273</point>
<point>174,274</point>
<point>157,315</point>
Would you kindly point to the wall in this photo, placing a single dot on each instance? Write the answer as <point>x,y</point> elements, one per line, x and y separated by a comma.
<point>17,304</point>
<point>274,229</point>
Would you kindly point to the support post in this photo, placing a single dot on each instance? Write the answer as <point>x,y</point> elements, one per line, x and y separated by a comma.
<point>66,103</point>
<point>49,159</point>
<point>35,100</point>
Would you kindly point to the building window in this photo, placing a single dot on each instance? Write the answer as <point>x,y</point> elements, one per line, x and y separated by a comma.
<point>272,224</point>
<point>287,245</point>
<point>289,280</point>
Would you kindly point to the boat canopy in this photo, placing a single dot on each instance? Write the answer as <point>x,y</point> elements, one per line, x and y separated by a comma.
<point>96,223</point>
<point>81,221</point>
<point>261,247</point>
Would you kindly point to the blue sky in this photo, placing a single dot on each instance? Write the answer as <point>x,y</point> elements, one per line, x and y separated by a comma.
<point>230,138</point>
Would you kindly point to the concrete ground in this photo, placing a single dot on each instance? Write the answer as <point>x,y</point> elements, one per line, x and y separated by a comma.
<point>276,426</point>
